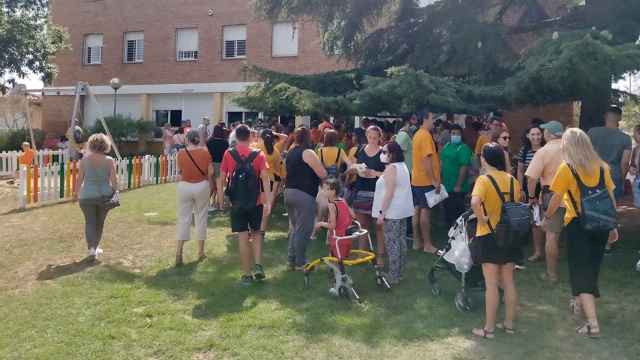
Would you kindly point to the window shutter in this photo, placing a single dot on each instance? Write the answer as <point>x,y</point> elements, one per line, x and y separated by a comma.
<point>134,47</point>
<point>93,49</point>
<point>235,41</point>
<point>285,39</point>
<point>187,44</point>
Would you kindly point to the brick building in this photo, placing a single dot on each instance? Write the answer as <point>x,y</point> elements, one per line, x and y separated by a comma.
<point>177,60</point>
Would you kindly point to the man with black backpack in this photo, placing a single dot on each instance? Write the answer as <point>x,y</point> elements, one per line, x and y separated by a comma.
<point>244,168</point>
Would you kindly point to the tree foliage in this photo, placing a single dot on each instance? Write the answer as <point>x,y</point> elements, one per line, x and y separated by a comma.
<point>479,53</point>
<point>27,40</point>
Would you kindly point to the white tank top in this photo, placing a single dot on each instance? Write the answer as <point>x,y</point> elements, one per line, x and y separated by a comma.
<point>401,206</point>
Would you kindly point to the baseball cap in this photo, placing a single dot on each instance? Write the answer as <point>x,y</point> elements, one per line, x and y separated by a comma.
<point>554,127</point>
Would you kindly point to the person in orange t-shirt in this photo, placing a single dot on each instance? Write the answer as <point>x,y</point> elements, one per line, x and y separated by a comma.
<point>28,155</point>
<point>425,178</point>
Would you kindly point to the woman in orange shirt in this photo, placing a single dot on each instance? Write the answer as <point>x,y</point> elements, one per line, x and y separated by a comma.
<point>194,189</point>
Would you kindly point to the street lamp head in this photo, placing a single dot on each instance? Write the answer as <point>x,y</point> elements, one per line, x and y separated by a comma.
<point>115,84</point>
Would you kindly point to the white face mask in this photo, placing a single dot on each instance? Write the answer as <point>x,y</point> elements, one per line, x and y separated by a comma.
<point>384,158</point>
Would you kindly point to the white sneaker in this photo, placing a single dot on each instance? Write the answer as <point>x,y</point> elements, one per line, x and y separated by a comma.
<point>92,252</point>
<point>99,251</point>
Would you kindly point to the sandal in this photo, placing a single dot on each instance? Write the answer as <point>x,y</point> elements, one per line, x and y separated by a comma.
<point>574,307</point>
<point>535,258</point>
<point>548,278</point>
<point>592,332</point>
<point>506,329</point>
<point>483,333</point>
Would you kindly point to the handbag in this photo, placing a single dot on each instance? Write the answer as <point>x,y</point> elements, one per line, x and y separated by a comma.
<point>113,201</point>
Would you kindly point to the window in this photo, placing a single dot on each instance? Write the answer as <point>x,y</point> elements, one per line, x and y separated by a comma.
<point>235,41</point>
<point>173,117</point>
<point>187,44</point>
<point>133,47</point>
<point>285,39</point>
<point>93,49</point>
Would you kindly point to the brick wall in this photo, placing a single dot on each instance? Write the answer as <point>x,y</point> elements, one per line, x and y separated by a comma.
<point>159,20</point>
<point>57,111</point>
<point>518,120</point>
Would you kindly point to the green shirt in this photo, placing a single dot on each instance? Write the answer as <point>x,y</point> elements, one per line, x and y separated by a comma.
<point>453,157</point>
<point>404,140</point>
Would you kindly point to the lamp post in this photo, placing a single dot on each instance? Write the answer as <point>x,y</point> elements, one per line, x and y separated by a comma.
<point>115,85</point>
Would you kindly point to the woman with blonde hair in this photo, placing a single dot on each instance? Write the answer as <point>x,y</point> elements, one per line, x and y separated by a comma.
<point>98,181</point>
<point>582,169</point>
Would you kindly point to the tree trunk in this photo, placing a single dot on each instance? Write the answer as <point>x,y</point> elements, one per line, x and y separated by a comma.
<point>594,106</point>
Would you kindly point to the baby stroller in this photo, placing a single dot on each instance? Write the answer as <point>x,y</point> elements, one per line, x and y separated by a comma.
<point>456,260</point>
<point>343,256</point>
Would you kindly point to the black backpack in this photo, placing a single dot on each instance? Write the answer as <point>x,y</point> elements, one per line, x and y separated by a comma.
<point>243,188</point>
<point>333,170</point>
<point>598,210</point>
<point>515,219</point>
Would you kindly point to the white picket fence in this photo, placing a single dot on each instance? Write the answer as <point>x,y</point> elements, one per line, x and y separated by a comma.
<point>10,160</point>
<point>50,182</point>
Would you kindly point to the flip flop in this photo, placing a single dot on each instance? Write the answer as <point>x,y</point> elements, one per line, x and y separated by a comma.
<point>483,333</point>
<point>506,329</point>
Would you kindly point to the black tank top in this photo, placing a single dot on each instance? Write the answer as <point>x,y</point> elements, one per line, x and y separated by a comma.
<point>373,163</point>
<point>301,176</point>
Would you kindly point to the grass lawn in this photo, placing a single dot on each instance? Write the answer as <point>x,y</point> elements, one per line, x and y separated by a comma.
<point>134,305</point>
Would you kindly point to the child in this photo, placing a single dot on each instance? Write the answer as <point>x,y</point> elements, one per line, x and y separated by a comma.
<point>340,217</point>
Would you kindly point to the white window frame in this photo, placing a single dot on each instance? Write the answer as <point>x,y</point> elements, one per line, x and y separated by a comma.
<point>288,30</point>
<point>184,52</point>
<point>137,39</point>
<point>232,36</point>
<point>89,52</point>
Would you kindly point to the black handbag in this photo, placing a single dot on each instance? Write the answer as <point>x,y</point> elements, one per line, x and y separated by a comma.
<point>113,201</point>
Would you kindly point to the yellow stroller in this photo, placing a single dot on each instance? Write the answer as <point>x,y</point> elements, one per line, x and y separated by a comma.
<point>343,256</point>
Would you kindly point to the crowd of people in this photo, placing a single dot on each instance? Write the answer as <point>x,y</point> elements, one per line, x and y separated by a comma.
<point>382,174</point>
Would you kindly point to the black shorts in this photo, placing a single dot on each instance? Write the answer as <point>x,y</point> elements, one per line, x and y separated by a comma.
<point>243,220</point>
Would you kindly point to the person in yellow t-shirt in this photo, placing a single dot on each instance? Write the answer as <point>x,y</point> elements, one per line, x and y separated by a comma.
<point>331,155</point>
<point>497,261</point>
<point>425,178</point>
<point>274,168</point>
<point>585,249</point>
<point>480,143</point>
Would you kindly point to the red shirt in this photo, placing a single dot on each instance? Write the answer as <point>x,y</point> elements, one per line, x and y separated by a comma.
<point>228,165</point>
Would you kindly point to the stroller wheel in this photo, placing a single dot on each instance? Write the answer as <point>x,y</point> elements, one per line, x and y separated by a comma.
<point>463,302</point>
<point>343,292</point>
<point>435,289</point>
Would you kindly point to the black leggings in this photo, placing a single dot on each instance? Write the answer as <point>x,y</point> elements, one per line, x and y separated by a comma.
<point>585,250</point>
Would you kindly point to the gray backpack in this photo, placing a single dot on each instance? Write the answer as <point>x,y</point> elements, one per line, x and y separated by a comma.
<point>598,210</point>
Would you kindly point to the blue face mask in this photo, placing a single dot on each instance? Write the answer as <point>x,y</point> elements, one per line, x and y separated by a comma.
<point>456,139</point>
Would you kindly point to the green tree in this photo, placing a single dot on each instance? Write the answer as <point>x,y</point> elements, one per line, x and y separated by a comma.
<point>528,48</point>
<point>27,40</point>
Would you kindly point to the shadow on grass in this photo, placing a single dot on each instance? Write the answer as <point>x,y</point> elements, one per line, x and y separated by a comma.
<point>404,314</point>
<point>57,271</point>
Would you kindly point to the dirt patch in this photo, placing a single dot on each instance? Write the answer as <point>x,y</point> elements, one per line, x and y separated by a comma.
<point>8,197</point>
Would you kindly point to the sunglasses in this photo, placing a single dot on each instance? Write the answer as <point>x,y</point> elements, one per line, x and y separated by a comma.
<point>506,138</point>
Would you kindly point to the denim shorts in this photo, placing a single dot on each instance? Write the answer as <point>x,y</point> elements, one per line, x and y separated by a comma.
<point>419,195</point>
